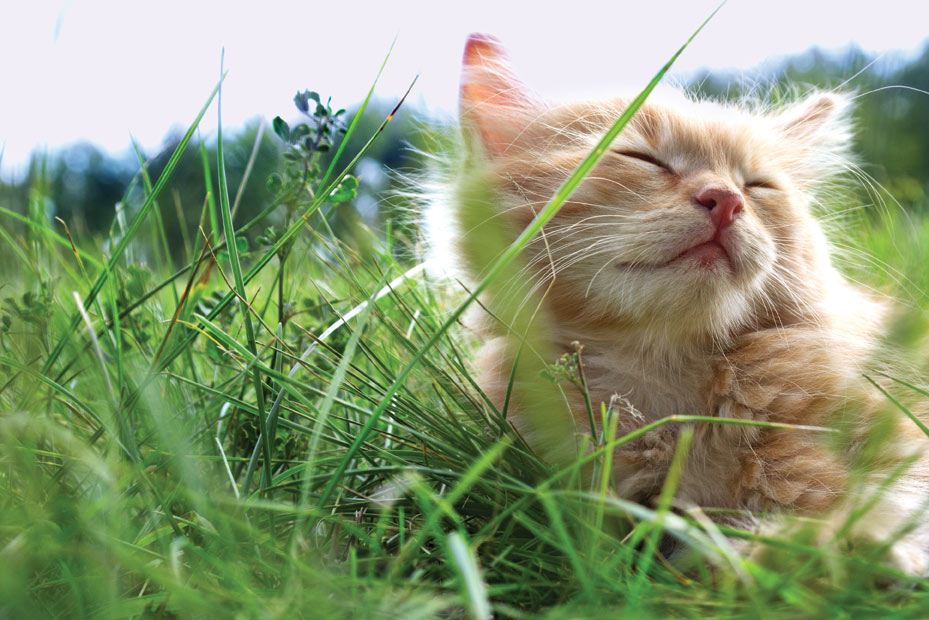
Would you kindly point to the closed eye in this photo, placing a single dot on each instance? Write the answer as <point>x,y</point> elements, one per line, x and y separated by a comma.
<point>646,158</point>
<point>761,183</point>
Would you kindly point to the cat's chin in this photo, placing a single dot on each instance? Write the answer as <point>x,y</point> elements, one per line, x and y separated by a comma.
<point>692,297</point>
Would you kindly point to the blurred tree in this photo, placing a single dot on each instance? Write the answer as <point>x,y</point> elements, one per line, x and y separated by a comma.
<point>82,185</point>
<point>183,199</point>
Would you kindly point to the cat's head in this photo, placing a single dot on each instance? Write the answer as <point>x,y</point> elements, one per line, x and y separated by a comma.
<point>696,223</point>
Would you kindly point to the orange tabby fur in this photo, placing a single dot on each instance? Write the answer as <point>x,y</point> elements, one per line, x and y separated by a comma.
<point>725,306</point>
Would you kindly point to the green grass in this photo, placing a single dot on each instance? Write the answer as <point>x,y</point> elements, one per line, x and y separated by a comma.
<point>295,431</point>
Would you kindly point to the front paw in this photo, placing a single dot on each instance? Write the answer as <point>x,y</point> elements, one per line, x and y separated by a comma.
<point>909,557</point>
<point>786,544</point>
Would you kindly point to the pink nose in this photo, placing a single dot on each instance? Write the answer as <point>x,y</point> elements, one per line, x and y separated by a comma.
<point>723,204</point>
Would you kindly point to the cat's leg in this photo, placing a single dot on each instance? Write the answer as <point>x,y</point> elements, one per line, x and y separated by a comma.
<point>791,375</point>
<point>797,377</point>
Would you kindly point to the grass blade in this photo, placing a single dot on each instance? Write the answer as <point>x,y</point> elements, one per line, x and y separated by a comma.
<point>130,232</point>
<point>546,214</point>
<point>232,249</point>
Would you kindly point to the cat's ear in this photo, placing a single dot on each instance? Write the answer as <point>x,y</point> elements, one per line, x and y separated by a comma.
<point>494,105</point>
<point>819,135</point>
<point>819,121</point>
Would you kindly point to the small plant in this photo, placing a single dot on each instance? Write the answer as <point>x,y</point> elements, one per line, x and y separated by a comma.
<point>306,143</point>
<point>298,185</point>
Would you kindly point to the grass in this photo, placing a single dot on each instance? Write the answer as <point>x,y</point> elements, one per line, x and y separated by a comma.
<point>296,431</point>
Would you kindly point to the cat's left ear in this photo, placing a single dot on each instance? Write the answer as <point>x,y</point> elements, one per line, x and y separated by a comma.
<point>494,104</point>
<point>821,121</point>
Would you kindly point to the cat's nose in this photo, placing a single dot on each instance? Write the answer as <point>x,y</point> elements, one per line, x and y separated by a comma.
<point>723,204</point>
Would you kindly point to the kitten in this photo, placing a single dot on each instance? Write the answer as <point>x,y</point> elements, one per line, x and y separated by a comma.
<point>691,272</point>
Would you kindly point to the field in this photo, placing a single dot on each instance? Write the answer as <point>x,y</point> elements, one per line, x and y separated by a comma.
<point>289,426</point>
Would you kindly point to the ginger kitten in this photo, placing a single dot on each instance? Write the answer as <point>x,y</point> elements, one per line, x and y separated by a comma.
<point>691,272</point>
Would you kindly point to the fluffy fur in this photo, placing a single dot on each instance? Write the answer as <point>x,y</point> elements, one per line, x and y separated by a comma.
<point>681,306</point>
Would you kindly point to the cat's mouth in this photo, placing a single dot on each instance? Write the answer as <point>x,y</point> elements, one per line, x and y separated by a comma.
<point>705,254</point>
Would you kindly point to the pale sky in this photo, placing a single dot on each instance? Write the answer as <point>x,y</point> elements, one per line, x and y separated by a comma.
<point>99,69</point>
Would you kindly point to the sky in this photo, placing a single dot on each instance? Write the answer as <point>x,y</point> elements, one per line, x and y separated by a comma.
<point>100,70</point>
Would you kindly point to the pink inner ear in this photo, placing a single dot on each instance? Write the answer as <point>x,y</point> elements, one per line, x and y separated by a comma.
<point>480,47</point>
<point>811,118</point>
<point>490,93</point>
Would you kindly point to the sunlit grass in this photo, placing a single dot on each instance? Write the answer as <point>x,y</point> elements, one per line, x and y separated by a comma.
<point>137,407</point>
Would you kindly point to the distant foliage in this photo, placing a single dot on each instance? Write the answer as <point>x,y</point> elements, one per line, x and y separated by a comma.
<point>82,184</point>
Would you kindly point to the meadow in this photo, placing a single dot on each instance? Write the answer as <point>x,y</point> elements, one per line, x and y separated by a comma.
<point>288,424</point>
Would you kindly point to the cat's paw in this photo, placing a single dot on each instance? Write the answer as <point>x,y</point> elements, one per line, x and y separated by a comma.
<point>909,557</point>
<point>829,540</point>
<point>639,466</point>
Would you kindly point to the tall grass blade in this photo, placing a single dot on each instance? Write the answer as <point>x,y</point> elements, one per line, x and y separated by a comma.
<point>546,214</point>
<point>130,232</point>
<point>231,247</point>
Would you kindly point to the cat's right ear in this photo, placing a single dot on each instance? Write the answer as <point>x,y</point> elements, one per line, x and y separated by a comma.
<point>819,121</point>
<point>820,126</point>
<point>494,105</point>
